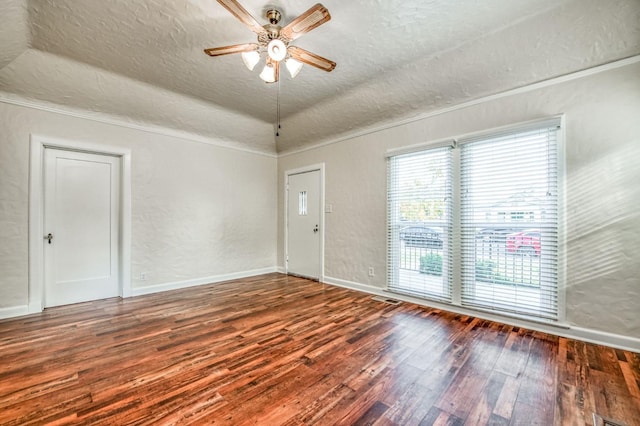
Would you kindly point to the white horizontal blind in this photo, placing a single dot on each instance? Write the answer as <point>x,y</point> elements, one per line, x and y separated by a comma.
<point>419,223</point>
<point>509,222</point>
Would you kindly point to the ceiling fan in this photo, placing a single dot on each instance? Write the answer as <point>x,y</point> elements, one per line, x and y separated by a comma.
<point>275,40</point>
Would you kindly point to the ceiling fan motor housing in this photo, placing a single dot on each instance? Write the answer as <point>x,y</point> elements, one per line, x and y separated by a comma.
<point>274,16</point>
<point>272,32</point>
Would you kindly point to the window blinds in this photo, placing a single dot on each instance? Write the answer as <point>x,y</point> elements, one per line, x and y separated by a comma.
<point>506,214</point>
<point>419,223</point>
<point>509,222</point>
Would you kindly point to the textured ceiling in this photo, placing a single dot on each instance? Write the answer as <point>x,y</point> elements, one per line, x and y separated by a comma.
<point>143,61</point>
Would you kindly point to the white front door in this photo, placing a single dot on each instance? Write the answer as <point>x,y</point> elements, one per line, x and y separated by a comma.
<point>303,224</point>
<point>81,214</point>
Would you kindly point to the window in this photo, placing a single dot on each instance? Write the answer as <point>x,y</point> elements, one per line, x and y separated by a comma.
<point>302,203</point>
<point>419,203</point>
<point>503,209</point>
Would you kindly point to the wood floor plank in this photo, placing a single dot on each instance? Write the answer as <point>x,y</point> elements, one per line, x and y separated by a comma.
<point>412,406</point>
<point>539,382</point>
<point>630,379</point>
<point>481,412</point>
<point>281,350</point>
<point>503,406</point>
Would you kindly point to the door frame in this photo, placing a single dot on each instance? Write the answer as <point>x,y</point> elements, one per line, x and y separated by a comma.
<point>38,144</point>
<point>312,168</point>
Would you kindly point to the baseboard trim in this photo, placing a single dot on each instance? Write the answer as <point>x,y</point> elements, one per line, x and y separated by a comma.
<point>366,288</point>
<point>35,307</point>
<point>140,291</point>
<point>14,311</point>
<point>573,332</point>
<point>604,338</point>
<point>281,270</point>
<point>597,337</point>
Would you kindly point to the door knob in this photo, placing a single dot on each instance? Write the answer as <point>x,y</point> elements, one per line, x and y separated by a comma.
<point>49,237</point>
<point>315,229</point>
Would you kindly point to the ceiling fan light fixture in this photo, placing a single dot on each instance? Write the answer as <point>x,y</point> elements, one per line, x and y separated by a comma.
<point>293,67</point>
<point>274,40</point>
<point>268,74</point>
<point>276,50</point>
<point>251,59</point>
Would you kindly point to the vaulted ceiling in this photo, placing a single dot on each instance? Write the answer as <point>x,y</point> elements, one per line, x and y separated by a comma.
<point>143,62</point>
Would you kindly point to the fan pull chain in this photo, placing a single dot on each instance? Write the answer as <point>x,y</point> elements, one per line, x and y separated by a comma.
<point>278,110</point>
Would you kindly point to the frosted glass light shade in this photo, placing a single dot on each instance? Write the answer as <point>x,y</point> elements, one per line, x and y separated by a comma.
<point>250,59</point>
<point>268,74</point>
<point>293,67</point>
<point>276,50</point>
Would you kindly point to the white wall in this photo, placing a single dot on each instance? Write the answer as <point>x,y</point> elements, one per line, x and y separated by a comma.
<point>602,190</point>
<point>198,210</point>
<point>203,211</point>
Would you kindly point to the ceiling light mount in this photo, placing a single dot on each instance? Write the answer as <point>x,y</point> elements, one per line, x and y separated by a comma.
<point>274,16</point>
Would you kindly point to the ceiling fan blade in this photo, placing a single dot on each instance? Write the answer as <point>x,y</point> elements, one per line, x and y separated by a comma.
<point>236,48</point>
<point>241,13</point>
<point>311,58</point>
<point>306,22</point>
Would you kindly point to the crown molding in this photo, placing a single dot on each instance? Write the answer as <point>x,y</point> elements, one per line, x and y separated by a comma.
<point>107,119</point>
<point>111,120</point>
<point>511,92</point>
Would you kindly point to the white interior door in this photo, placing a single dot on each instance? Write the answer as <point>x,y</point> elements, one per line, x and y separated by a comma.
<point>81,214</point>
<point>303,224</point>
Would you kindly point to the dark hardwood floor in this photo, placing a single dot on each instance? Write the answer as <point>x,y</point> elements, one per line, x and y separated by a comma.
<point>278,350</point>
